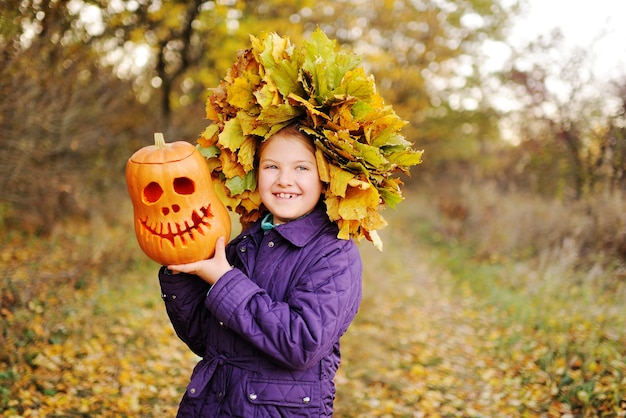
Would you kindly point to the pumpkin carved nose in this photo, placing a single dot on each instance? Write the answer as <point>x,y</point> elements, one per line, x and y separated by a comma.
<point>166,211</point>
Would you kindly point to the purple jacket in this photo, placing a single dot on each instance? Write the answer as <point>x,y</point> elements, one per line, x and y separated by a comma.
<point>268,332</point>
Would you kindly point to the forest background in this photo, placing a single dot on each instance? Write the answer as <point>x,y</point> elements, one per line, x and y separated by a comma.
<point>501,289</point>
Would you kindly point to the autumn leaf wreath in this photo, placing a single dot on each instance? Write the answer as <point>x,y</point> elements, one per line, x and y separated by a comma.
<point>357,136</point>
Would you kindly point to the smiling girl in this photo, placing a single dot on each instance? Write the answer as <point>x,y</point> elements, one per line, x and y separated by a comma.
<point>266,313</point>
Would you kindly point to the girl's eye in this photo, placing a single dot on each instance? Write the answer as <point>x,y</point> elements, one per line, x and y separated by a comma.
<point>302,168</point>
<point>269,167</point>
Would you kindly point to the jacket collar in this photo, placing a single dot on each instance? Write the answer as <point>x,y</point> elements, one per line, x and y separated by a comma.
<point>300,231</point>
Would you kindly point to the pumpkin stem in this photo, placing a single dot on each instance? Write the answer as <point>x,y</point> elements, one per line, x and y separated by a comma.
<point>159,140</point>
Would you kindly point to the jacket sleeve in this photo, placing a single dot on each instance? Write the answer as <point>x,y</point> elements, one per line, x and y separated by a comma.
<point>184,296</point>
<point>302,330</point>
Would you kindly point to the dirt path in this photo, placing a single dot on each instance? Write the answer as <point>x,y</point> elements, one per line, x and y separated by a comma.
<point>417,348</point>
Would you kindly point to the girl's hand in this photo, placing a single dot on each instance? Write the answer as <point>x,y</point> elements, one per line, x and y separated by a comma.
<point>209,270</point>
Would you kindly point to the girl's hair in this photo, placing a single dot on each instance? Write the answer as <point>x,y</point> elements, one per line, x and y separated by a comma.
<point>291,131</point>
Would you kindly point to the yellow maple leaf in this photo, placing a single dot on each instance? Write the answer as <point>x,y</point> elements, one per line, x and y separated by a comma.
<point>344,229</point>
<point>214,165</point>
<point>353,207</point>
<point>322,165</point>
<point>239,93</point>
<point>357,202</point>
<point>232,135</point>
<point>211,112</point>
<point>332,207</point>
<point>246,153</point>
<point>373,220</point>
<point>230,167</point>
<point>339,180</point>
<point>250,200</point>
<point>209,137</point>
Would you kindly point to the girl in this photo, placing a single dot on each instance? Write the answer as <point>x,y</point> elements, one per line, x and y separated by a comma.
<point>267,311</point>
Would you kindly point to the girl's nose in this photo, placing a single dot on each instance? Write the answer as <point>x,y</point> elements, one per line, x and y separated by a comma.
<point>284,178</point>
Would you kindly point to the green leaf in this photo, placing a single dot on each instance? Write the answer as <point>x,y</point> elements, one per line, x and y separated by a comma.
<point>280,65</point>
<point>268,95</point>
<point>354,84</point>
<point>279,114</point>
<point>370,155</point>
<point>389,190</point>
<point>232,135</point>
<point>406,158</point>
<point>361,109</point>
<point>324,65</point>
<point>389,139</point>
<point>209,152</point>
<point>248,123</point>
<point>237,185</point>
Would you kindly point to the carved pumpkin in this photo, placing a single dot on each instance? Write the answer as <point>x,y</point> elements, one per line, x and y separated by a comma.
<point>177,215</point>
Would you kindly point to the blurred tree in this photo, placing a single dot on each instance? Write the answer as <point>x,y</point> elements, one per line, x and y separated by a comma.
<point>426,55</point>
<point>63,116</point>
<point>80,78</point>
<point>570,117</point>
<point>613,148</point>
<point>190,44</point>
<point>427,58</point>
<point>177,35</point>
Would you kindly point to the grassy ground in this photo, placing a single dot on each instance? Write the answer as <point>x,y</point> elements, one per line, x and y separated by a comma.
<point>443,330</point>
<point>89,339</point>
<point>444,334</point>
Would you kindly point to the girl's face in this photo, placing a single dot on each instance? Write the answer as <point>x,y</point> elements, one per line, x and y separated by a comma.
<point>288,180</point>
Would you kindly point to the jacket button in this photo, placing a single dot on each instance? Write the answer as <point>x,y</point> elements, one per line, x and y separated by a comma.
<point>306,400</point>
<point>270,244</point>
<point>242,249</point>
<point>221,324</point>
<point>253,396</point>
<point>192,390</point>
<point>173,296</point>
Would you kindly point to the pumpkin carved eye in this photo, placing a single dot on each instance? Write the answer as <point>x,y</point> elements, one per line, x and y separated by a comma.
<point>152,193</point>
<point>184,185</point>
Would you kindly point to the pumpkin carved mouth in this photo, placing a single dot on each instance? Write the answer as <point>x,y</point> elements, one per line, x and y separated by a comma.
<point>181,232</point>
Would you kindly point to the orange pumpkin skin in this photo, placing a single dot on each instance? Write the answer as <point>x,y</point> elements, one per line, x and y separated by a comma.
<point>177,215</point>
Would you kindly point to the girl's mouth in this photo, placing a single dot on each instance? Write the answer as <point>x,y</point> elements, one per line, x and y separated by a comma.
<point>286,195</point>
